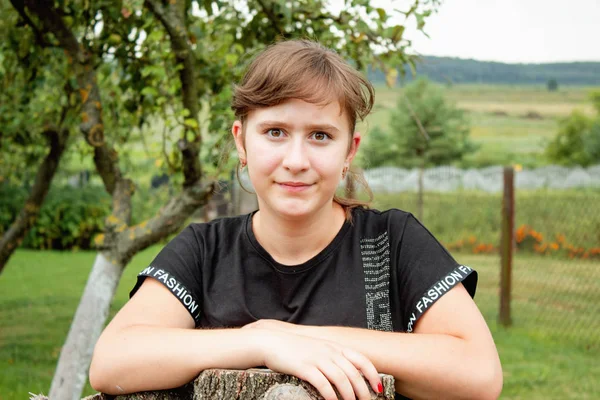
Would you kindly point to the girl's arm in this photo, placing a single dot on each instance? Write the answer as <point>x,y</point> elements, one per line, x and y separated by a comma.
<point>451,353</point>
<point>151,345</point>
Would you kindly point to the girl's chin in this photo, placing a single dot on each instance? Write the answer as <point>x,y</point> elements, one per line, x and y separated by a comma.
<point>294,209</point>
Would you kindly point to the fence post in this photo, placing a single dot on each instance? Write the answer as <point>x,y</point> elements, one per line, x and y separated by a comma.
<point>506,245</point>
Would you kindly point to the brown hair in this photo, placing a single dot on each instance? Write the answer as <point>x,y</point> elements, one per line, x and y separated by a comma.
<point>308,71</point>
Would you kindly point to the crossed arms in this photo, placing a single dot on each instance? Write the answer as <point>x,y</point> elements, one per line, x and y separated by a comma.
<point>151,344</point>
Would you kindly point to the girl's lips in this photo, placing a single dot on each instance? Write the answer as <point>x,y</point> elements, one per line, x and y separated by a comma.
<point>294,186</point>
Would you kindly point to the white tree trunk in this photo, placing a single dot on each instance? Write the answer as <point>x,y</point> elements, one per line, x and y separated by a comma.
<point>72,369</point>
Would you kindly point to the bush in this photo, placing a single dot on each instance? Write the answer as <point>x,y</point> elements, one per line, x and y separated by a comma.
<point>69,218</point>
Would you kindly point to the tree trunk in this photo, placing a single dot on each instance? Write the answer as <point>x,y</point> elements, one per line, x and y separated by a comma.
<point>92,312</point>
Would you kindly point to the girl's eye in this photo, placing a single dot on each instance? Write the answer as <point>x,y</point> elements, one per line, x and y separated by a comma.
<point>275,133</point>
<point>321,136</point>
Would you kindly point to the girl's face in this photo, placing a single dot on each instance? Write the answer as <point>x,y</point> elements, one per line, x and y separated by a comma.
<point>296,152</point>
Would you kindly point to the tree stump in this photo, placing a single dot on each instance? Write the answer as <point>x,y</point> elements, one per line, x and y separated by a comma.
<point>250,384</point>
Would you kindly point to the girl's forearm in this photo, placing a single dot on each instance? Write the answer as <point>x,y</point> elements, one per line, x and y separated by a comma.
<point>140,358</point>
<point>424,365</point>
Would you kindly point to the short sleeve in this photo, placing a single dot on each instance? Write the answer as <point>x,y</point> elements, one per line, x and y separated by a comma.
<point>426,271</point>
<point>177,267</point>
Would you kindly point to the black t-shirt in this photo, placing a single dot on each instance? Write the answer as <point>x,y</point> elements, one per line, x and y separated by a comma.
<point>382,271</point>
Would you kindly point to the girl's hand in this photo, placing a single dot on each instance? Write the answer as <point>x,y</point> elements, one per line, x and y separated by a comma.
<point>321,363</point>
<point>275,325</point>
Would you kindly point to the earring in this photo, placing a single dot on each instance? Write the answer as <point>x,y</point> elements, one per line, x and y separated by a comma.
<point>242,164</point>
<point>344,171</point>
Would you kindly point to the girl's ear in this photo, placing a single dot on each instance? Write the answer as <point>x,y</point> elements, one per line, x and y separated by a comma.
<point>353,147</point>
<point>238,136</point>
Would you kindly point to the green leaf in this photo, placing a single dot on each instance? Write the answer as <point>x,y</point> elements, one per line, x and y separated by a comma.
<point>149,91</point>
<point>397,33</point>
<point>191,123</point>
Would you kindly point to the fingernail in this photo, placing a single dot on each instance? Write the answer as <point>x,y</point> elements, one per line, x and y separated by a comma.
<point>379,388</point>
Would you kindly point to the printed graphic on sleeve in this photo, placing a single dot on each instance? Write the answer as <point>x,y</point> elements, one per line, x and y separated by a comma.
<point>436,291</point>
<point>180,291</point>
<point>376,264</point>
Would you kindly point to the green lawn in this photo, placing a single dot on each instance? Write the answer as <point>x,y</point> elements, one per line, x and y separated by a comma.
<point>552,350</point>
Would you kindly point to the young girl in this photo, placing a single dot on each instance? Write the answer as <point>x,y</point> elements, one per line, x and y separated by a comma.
<point>310,284</point>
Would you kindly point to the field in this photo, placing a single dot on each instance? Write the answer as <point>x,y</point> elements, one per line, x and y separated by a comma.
<point>512,124</point>
<point>550,352</point>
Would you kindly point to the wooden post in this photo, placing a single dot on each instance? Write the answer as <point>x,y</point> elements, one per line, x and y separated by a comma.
<point>506,245</point>
<point>420,191</point>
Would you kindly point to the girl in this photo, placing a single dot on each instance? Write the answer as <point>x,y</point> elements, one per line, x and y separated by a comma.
<point>310,284</point>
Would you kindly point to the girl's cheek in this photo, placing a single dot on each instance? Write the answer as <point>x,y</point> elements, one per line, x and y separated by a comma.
<point>264,157</point>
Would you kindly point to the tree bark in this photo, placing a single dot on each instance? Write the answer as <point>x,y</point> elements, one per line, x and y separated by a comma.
<point>172,16</point>
<point>13,237</point>
<point>72,369</point>
<point>250,384</point>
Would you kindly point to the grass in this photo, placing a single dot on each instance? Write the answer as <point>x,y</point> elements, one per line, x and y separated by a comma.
<point>550,352</point>
<point>512,124</point>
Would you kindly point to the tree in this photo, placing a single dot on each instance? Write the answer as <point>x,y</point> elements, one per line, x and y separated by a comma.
<point>128,63</point>
<point>34,119</point>
<point>552,85</point>
<point>425,130</point>
<point>578,139</point>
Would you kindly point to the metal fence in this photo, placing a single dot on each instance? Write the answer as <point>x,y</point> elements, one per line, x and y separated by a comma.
<point>445,179</point>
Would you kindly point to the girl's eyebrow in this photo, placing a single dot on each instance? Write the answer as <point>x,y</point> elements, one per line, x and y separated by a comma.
<point>280,124</point>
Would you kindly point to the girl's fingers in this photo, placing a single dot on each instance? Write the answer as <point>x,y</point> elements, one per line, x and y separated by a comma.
<point>339,379</point>
<point>316,378</point>
<point>356,379</point>
<point>364,365</point>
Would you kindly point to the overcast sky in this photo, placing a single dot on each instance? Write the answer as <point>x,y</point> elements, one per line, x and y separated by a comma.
<point>512,30</point>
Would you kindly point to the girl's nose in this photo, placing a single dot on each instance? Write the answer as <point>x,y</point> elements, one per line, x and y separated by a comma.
<point>295,158</point>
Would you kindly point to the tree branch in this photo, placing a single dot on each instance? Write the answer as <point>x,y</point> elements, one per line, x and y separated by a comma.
<point>20,7</point>
<point>92,127</point>
<point>271,15</point>
<point>125,243</point>
<point>57,140</point>
<point>172,16</point>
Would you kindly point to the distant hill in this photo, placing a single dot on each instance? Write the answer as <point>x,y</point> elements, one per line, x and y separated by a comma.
<point>457,70</point>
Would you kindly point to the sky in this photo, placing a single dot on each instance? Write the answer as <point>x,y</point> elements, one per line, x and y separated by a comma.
<point>513,31</point>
